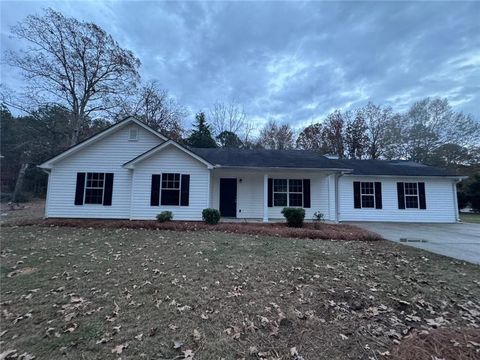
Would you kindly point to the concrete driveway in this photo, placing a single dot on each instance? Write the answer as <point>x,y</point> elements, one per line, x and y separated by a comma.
<point>460,241</point>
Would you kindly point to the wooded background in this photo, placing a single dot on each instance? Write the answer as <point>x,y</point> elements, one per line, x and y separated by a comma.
<point>78,81</point>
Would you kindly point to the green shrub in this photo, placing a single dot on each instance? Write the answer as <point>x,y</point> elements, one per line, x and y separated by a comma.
<point>211,216</point>
<point>165,216</point>
<point>294,216</point>
<point>318,218</point>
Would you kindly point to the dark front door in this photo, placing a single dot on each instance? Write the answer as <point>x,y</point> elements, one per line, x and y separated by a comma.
<point>228,197</point>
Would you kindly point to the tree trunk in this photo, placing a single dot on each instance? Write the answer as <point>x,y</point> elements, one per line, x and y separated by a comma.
<point>19,182</point>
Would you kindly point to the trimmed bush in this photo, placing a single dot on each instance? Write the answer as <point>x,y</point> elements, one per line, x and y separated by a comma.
<point>211,216</point>
<point>294,216</point>
<point>165,216</point>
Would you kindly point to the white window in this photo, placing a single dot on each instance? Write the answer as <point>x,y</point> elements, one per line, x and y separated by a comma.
<point>170,189</point>
<point>133,134</point>
<point>367,193</point>
<point>94,188</point>
<point>288,192</point>
<point>411,195</point>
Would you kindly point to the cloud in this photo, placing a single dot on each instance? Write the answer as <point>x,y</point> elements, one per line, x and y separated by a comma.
<point>290,61</point>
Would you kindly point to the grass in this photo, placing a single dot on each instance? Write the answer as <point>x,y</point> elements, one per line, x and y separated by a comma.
<point>81,293</point>
<point>470,218</point>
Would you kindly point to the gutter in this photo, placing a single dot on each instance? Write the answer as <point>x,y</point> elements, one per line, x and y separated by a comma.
<point>455,197</point>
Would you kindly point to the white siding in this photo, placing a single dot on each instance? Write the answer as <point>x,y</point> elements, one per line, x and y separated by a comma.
<point>170,160</point>
<point>106,155</point>
<point>250,192</point>
<point>438,193</point>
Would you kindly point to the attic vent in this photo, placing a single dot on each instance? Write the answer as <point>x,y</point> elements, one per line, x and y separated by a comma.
<point>133,134</point>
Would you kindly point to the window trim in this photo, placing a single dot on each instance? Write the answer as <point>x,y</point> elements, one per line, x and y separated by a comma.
<point>417,195</point>
<point>362,195</point>
<point>288,192</point>
<point>130,138</point>
<point>85,187</point>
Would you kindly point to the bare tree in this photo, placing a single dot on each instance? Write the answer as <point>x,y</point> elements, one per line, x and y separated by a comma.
<point>276,137</point>
<point>230,117</point>
<point>334,134</point>
<point>72,63</point>
<point>155,107</point>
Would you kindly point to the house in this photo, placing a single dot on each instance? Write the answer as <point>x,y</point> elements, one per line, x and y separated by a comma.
<point>130,171</point>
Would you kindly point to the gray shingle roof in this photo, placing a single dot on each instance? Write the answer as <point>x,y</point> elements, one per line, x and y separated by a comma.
<point>266,158</point>
<point>310,159</point>
<point>393,167</point>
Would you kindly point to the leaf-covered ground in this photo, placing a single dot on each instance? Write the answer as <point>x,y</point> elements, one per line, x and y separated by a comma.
<point>73,293</point>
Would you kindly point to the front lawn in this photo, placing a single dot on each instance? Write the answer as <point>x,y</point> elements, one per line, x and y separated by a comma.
<point>470,218</point>
<point>80,293</point>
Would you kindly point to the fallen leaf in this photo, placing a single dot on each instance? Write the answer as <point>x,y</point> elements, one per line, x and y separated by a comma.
<point>177,344</point>
<point>119,348</point>
<point>196,335</point>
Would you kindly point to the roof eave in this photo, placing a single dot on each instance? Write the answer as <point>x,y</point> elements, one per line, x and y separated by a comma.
<point>344,170</point>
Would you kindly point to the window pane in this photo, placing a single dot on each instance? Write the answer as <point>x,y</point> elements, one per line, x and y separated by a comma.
<point>411,189</point>
<point>296,185</point>
<point>296,200</point>
<point>367,188</point>
<point>279,199</point>
<point>170,197</point>
<point>93,196</point>
<point>170,181</point>
<point>280,185</point>
<point>368,201</point>
<point>411,202</point>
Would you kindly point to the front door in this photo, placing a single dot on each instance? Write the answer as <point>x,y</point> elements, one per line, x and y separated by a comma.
<point>228,197</point>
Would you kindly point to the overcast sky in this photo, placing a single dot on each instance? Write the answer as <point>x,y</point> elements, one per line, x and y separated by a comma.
<point>290,61</point>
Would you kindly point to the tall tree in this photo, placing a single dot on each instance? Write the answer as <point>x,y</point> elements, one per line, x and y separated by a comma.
<point>201,135</point>
<point>73,63</point>
<point>432,123</point>
<point>356,139</point>
<point>153,105</point>
<point>377,119</point>
<point>311,138</point>
<point>333,134</point>
<point>276,137</point>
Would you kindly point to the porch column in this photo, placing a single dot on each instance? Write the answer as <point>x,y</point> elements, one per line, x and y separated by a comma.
<point>265,197</point>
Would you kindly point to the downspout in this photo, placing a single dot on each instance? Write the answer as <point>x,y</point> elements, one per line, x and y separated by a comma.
<point>45,210</point>
<point>337,198</point>
<point>455,200</point>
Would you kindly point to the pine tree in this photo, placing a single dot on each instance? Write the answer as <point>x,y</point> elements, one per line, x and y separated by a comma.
<point>201,136</point>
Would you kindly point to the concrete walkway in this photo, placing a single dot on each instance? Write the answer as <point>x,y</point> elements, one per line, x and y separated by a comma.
<point>460,241</point>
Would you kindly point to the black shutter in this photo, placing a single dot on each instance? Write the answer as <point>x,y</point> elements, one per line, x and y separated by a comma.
<point>155,191</point>
<point>184,190</point>
<point>306,193</point>
<point>79,190</point>
<point>107,195</point>
<point>421,195</point>
<point>378,195</point>
<point>401,195</point>
<point>270,192</point>
<point>357,204</point>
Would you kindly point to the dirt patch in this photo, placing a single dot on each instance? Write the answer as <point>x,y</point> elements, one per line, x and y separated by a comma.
<point>31,211</point>
<point>455,344</point>
<point>309,231</point>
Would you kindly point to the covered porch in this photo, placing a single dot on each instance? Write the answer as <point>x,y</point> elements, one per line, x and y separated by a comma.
<point>261,194</point>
